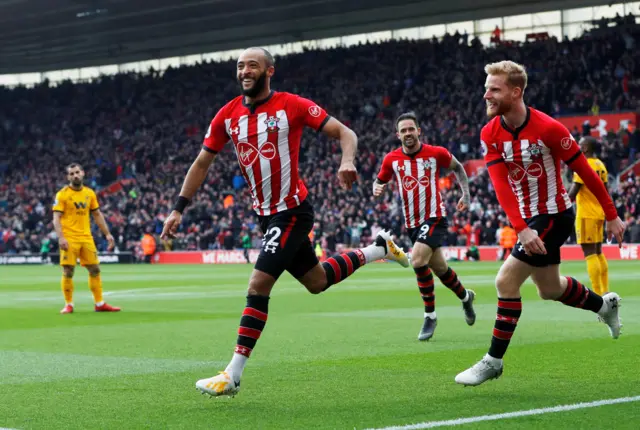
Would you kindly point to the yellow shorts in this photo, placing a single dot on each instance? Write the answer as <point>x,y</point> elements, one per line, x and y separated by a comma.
<point>86,251</point>
<point>589,230</point>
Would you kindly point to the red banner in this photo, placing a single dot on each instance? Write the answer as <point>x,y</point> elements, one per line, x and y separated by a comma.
<point>567,252</point>
<point>601,123</point>
<point>205,257</point>
<point>487,253</point>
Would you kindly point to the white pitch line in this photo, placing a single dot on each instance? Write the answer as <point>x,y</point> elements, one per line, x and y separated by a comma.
<point>516,414</point>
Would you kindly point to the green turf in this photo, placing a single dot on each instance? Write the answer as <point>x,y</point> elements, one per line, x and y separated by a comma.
<point>345,359</point>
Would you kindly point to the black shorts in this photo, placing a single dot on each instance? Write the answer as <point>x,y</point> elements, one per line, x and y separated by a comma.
<point>554,230</point>
<point>431,232</point>
<point>286,244</point>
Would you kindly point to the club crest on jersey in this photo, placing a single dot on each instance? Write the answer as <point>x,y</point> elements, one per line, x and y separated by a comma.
<point>272,124</point>
<point>248,154</point>
<point>535,149</point>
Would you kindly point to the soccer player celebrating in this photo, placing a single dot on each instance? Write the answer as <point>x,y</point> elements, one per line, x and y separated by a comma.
<point>590,220</point>
<point>73,227</point>
<point>416,167</point>
<point>265,128</point>
<point>523,148</point>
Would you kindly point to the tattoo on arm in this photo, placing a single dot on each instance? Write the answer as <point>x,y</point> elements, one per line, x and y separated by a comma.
<point>461,176</point>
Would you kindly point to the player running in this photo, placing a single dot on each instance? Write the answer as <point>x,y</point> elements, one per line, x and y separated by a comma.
<point>590,220</point>
<point>73,227</point>
<point>265,127</point>
<point>523,148</point>
<point>416,167</point>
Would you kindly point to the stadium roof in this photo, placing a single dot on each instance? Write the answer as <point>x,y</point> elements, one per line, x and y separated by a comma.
<point>40,35</point>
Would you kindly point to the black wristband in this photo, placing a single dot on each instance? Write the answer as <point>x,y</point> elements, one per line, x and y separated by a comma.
<point>181,204</point>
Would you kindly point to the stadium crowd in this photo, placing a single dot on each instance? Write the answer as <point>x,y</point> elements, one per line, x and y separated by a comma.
<point>136,135</point>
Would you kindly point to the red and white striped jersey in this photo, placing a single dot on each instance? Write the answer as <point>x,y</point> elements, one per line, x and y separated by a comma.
<point>532,154</point>
<point>418,181</point>
<point>266,137</point>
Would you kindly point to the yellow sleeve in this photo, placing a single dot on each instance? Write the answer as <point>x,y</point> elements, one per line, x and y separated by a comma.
<point>93,204</point>
<point>577,179</point>
<point>58,204</point>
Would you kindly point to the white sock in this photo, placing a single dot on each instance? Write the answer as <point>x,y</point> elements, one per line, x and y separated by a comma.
<point>466,297</point>
<point>493,360</point>
<point>100,303</point>
<point>431,315</point>
<point>236,366</point>
<point>374,252</point>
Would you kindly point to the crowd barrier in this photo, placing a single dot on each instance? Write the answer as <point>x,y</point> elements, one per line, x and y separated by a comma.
<point>487,253</point>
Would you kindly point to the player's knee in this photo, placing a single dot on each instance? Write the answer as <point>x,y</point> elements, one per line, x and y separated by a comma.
<point>419,260</point>
<point>94,270</point>
<point>317,284</point>
<point>438,267</point>
<point>67,272</point>
<point>260,285</point>
<point>505,286</point>
<point>549,294</point>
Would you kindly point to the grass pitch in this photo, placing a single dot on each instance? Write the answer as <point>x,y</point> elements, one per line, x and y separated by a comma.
<point>345,359</point>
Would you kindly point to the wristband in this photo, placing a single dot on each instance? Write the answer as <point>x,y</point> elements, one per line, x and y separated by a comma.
<point>181,204</point>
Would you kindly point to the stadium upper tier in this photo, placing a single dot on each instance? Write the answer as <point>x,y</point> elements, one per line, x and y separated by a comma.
<point>149,127</point>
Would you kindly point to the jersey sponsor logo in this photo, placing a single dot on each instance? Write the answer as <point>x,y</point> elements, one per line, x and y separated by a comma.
<point>80,205</point>
<point>566,142</point>
<point>268,151</point>
<point>517,173</point>
<point>315,111</point>
<point>272,124</point>
<point>409,183</point>
<point>247,153</point>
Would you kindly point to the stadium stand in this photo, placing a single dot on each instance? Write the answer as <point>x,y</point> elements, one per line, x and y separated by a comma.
<point>136,135</point>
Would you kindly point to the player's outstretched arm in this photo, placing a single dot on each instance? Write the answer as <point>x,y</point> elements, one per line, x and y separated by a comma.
<point>195,176</point>
<point>347,174</point>
<point>104,228</point>
<point>463,180</point>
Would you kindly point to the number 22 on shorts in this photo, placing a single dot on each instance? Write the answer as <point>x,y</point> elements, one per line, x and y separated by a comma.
<point>272,244</point>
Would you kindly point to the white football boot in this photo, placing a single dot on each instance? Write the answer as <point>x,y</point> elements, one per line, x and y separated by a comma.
<point>219,385</point>
<point>609,314</point>
<point>484,370</point>
<point>394,252</point>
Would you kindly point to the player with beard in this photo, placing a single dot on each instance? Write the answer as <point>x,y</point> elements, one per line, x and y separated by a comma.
<point>416,167</point>
<point>265,128</point>
<point>523,148</point>
<point>72,223</point>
